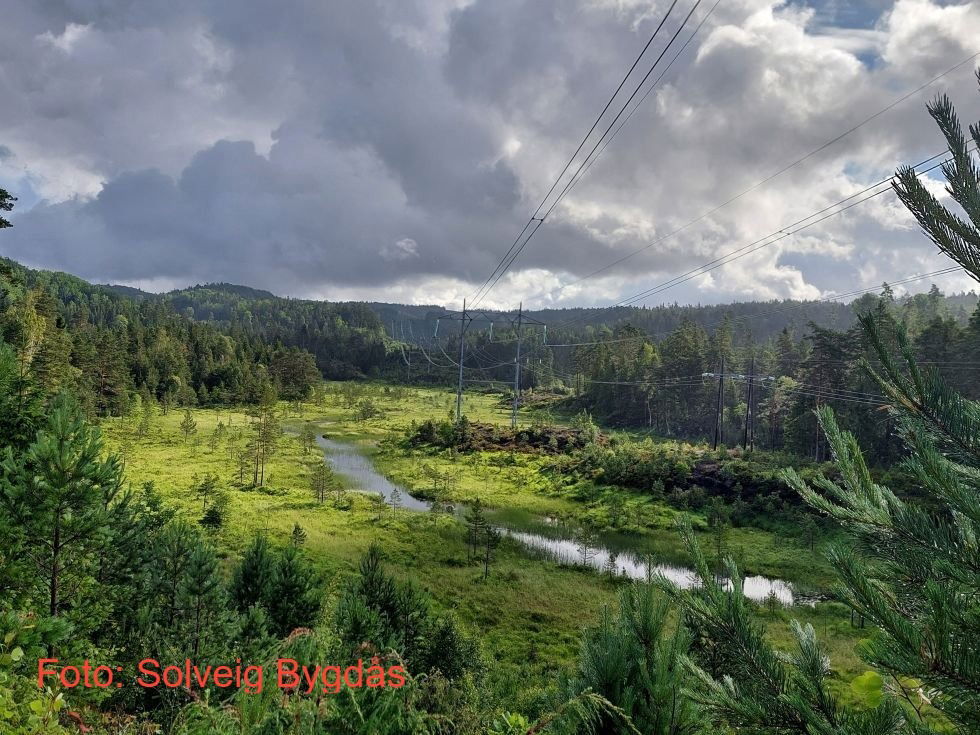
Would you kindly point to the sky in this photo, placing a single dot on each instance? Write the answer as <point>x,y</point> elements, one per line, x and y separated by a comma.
<point>392,150</point>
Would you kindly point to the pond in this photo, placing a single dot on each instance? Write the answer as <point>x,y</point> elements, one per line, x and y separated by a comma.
<point>612,553</point>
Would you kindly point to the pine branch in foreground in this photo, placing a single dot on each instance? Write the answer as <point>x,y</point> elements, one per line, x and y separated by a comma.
<point>759,688</point>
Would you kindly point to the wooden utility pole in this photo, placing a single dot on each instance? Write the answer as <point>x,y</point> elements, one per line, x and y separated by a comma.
<point>752,405</point>
<point>406,354</point>
<point>462,345</point>
<point>748,436</point>
<point>517,368</point>
<point>720,410</point>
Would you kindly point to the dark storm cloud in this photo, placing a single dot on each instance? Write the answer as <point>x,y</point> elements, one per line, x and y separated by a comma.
<point>394,148</point>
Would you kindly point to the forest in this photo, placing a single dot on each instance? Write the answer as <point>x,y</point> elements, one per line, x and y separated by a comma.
<point>173,489</point>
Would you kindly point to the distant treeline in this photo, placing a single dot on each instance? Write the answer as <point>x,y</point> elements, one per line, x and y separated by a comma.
<point>761,320</point>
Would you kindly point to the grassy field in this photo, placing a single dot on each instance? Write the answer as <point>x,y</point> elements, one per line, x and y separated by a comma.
<point>529,614</point>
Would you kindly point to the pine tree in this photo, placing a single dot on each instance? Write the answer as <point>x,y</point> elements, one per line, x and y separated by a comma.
<point>252,579</point>
<point>911,570</point>
<point>787,354</point>
<point>63,497</point>
<point>243,460</point>
<point>320,481</point>
<point>293,598</point>
<point>203,599</point>
<point>740,680</point>
<point>6,204</point>
<point>490,541</point>
<point>265,435</point>
<point>475,523</point>
<point>188,426</point>
<point>298,536</point>
<point>958,238</point>
<point>147,413</point>
<point>586,540</point>
<point>307,437</point>
<point>173,547</point>
<point>339,493</point>
<point>378,504</point>
<point>809,531</point>
<point>217,436</point>
<point>635,661</point>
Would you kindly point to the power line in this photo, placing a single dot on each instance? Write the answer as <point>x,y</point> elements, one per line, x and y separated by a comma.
<point>667,382</point>
<point>604,110</point>
<point>646,94</point>
<point>511,255</point>
<point>763,242</point>
<point>774,175</point>
<point>757,315</point>
<point>564,170</point>
<point>616,119</point>
<point>652,335</point>
<point>754,315</point>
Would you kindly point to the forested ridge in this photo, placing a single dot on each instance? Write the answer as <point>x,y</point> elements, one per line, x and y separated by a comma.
<point>107,347</point>
<point>222,343</point>
<point>758,320</point>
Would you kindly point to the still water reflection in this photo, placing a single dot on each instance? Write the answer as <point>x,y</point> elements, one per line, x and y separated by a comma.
<point>348,461</point>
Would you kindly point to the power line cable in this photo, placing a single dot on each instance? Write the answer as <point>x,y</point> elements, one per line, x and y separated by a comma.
<point>564,170</point>
<point>774,175</point>
<point>571,182</point>
<point>646,94</point>
<point>770,239</point>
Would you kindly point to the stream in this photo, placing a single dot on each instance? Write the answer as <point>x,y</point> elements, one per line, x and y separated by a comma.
<point>612,552</point>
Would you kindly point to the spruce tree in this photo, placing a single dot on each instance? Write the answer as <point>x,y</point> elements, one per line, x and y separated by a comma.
<point>213,518</point>
<point>205,488</point>
<point>21,401</point>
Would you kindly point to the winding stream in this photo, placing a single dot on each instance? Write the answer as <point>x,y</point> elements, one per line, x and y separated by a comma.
<point>612,553</point>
